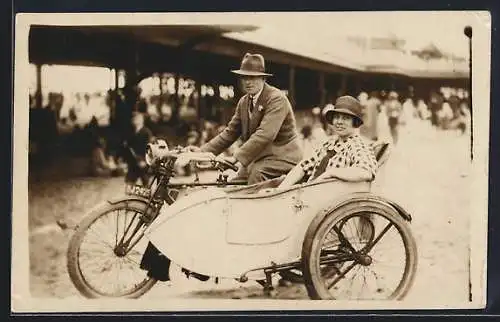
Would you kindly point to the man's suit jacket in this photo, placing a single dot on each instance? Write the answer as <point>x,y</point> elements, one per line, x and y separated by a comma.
<point>270,133</point>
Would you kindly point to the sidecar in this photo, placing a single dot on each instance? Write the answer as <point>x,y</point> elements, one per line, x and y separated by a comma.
<point>341,237</point>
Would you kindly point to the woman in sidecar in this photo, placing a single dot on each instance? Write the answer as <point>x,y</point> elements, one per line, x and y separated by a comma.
<point>345,156</point>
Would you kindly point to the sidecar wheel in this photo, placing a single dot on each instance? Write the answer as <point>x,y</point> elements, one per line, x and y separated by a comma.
<point>90,279</point>
<point>344,256</point>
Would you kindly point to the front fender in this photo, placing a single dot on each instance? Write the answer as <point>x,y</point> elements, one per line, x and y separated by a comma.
<point>64,224</point>
<point>117,200</point>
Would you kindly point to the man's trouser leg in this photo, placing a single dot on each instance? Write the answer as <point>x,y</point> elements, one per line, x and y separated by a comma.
<point>268,169</point>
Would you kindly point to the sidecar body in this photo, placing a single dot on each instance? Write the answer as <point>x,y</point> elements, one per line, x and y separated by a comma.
<point>228,232</point>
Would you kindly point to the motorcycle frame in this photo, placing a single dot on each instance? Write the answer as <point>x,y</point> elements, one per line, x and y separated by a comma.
<point>162,173</point>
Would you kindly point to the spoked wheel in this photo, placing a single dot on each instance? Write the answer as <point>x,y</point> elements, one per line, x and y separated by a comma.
<point>360,251</point>
<point>100,261</point>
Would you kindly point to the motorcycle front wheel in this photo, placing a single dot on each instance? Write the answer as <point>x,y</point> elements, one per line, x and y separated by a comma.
<point>98,261</point>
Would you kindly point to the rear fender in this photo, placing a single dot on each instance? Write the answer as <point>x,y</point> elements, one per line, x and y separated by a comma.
<point>363,196</point>
<point>355,197</point>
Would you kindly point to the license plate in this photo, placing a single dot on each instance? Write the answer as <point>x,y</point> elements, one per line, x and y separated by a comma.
<point>138,191</point>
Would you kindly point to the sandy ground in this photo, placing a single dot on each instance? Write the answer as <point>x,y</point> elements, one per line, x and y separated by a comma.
<point>427,174</point>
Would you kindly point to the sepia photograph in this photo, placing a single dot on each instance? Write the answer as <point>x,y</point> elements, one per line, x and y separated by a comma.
<point>250,161</point>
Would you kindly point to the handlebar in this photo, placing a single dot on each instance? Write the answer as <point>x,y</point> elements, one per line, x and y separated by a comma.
<point>207,160</point>
<point>211,161</point>
<point>227,164</point>
<point>157,153</point>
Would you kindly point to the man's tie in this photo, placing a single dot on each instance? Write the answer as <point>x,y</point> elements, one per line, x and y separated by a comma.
<point>250,105</point>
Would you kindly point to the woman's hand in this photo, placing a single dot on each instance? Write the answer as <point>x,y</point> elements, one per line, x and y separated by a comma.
<point>292,177</point>
<point>325,175</point>
<point>350,174</point>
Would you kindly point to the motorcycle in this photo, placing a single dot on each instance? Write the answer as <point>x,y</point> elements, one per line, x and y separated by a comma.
<point>337,238</point>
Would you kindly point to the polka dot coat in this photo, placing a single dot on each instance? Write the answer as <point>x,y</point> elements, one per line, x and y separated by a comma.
<point>353,151</point>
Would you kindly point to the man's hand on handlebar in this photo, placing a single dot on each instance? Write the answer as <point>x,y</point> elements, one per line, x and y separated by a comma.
<point>236,164</point>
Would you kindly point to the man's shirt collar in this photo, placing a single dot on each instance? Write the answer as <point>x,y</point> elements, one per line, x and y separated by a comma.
<point>256,96</point>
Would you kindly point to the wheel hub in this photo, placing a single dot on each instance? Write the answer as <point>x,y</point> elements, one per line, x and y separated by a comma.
<point>119,251</point>
<point>365,260</point>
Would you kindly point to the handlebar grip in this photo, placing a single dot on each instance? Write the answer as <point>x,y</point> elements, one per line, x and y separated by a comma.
<point>228,164</point>
<point>200,166</point>
<point>233,167</point>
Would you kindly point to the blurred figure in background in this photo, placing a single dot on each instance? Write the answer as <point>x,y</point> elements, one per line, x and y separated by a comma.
<point>423,110</point>
<point>394,109</point>
<point>166,108</point>
<point>58,104</point>
<point>307,138</point>
<point>193,135</point>
<point>135,150</point>
<point>407,119</point>
<point>154,109</point>
<point>445,115</point>
<point>371,108</point>
<point>409,111</point>
<point>209,132</point>
<point>383,130</point>
<point>140,104</point>
<point>435,105</point>
<point>465,115</point>
<point>363,98</point>
<point>460,110</point>
<point>101,164</point>
<point>48,135</point>
<point>317,127</point>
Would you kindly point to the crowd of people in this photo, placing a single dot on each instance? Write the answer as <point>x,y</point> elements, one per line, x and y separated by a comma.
<point>101,128</point>
<point>386,113</point>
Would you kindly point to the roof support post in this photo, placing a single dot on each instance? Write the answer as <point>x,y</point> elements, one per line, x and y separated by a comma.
<point>177,101</point>
<point>322,90</point>
<point>199,112</point>
<point>343,85</point>
<point>38,93</point>
<point>291,84</point>
<point>182,52</point>
<point>117,75</point>
<point>115,97</point>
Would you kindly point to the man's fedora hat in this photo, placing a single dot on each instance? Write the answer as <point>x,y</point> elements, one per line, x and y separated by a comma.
<point>345,105</point>
<point>252,65</point>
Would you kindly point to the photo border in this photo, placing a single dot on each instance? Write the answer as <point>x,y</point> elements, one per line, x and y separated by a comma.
<point>479,132</point>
